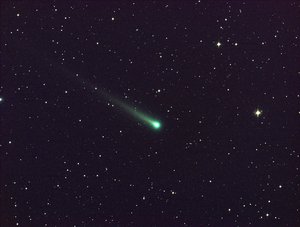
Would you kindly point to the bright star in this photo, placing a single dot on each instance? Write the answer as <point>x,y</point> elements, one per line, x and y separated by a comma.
<point>257,112</point>
<point>218,44</point>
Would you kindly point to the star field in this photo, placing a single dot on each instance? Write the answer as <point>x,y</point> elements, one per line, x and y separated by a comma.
<point>220,81</point>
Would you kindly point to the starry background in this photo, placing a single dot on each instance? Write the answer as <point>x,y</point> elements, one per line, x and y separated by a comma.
<point>222,77</point>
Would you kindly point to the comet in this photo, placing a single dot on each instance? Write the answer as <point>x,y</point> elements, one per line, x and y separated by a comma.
<point>100,92</point>
<point>132,111</point>
<point>139,115</point>
<point>155,124</point>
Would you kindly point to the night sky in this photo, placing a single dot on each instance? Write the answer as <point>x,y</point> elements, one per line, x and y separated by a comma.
<point>150,113</point>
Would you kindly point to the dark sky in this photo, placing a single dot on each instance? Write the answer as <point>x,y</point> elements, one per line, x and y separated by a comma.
<point>222,78</point>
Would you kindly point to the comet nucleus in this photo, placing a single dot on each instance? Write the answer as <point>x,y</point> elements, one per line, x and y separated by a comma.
<point>156,124</point>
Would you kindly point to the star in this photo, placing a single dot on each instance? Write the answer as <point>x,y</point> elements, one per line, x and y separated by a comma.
<point>258,112</point>
<point>219,44</point>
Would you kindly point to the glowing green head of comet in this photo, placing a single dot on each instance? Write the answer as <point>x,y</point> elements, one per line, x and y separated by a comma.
<point>156,124</point>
